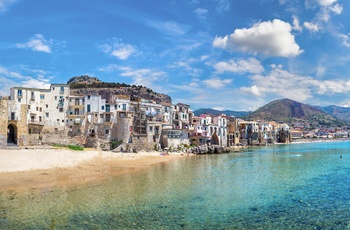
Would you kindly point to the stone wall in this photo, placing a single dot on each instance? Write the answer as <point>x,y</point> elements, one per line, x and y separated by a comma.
<point>3,122</point>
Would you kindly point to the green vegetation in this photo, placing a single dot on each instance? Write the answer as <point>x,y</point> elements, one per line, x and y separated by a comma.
<point>98,85</point>
<point>73,147</point>
<point>115,143</point>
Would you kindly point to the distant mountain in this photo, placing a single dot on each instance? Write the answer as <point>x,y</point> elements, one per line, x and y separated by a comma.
<point>217,112</point>
<point>289,111</point>
<point>342,113</point>
<point>85,85</point>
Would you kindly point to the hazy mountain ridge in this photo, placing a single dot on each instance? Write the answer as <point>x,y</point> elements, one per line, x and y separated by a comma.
<point>289,111</point>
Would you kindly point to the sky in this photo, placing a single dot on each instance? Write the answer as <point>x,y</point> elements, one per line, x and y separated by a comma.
<point>221,54</point>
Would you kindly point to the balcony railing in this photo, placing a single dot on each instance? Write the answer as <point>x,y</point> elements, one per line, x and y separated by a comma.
<point>13,118</point>
<point>35,122</point>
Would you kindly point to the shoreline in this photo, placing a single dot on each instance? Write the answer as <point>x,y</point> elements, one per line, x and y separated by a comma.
<point>26,169</point>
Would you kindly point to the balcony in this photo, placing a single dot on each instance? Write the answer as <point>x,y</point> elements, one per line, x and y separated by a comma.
<point>35,122</point>
<point>13,118</point>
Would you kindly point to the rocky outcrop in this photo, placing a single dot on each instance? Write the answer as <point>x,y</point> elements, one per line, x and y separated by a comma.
<point>211,149</point>
<point>85,85</point>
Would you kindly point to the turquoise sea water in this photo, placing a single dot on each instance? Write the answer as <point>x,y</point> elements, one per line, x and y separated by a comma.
<point>301,186</point>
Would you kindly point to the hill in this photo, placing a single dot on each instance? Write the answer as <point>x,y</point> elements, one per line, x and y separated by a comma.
<point>217,112</point>
<point>289,111</point>
<point>342,113</point>
<point>81,85</point>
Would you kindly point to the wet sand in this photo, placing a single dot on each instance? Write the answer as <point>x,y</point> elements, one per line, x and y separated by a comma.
<point>26,169</point>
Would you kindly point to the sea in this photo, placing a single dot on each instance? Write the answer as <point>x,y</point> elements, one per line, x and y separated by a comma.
<point>295,186</point>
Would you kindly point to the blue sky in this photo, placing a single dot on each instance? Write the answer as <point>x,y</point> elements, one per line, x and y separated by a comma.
<point>236,55</point>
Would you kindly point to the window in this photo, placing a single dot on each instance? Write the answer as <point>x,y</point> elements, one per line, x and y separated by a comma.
<point>19,93</point>
<point>55,98</point>
<point>47,106</point>
<point>40,109</point>
<point>108,117</point>
<point>42,96</point>
<point>107,131</point>
<point>108,108</point>
<point>124,106</point>
<point>88,108</point>
<point>102,107</point>
<point>151,129</point>
<point>37,108</point>
<point>19,99</point>
<point>88,97</point>
<point>40,119</point>
<point>47,114</point>
<point>60,110</point>
<point>28,106</point>
<point>13,115</point>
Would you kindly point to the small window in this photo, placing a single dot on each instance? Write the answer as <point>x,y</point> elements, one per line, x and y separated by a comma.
<point>47,114</point>
<point>107,131</point>
<point>61,110</point>
<point>151,129</point>
<point>19,99</point>
<point>28,106</point>
<point>88,97</point>
<point>47,106</point>
<point>40,109</point>
<point>55,98</point>
<point>42,96</point>
<point>19,93</point>
<point>102,107</point>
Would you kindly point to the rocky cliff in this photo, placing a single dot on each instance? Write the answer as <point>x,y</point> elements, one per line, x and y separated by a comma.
<point>85,85</point>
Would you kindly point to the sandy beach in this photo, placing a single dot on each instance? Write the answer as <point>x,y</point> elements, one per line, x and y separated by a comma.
<point>25,169</point>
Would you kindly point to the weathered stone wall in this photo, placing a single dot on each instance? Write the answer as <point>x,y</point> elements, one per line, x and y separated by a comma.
<point>122,131</point>
<point>3,122</point>
<point>22,128</point>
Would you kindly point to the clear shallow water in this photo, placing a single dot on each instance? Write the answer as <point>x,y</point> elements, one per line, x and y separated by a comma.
<point>303,186</point>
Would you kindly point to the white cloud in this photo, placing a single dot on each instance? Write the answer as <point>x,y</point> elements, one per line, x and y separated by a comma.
<point>296,25</point>
<point>251,90</point>
<point>217,83</point>
<point>10,79</point>
<point>169,27</point>
<point>117,49</point>
<point>223,5</point>
<point>186,65</point>
<point>4,4</point>
<point>201,13</point>
<point>346,39</point>
<point>326,2</point>
<point>296,87</point>
<point>270,38</point>
<point>251,65</point>
<point>310,26</point>
<point>337,9</point>
<point>144,77</point>
<point>37,43</point>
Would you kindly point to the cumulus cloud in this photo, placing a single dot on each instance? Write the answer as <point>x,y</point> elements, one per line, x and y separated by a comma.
<point>310,26</point>
<point>217,83</point>
<point>201,13</point>
<point>4,4</point>
<point>270,38</point>
<point>37,43</point>
<point>294,86</point>
<point>251,65</point>
<point>116,48</point>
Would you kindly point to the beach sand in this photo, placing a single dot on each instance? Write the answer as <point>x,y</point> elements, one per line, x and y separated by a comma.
<point>26,169</point>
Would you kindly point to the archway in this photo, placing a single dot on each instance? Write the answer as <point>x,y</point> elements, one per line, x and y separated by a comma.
<point>11,134</point>
<point>214,139</point>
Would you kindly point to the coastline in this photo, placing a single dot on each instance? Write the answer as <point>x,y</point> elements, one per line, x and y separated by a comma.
<point>26,169</point>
